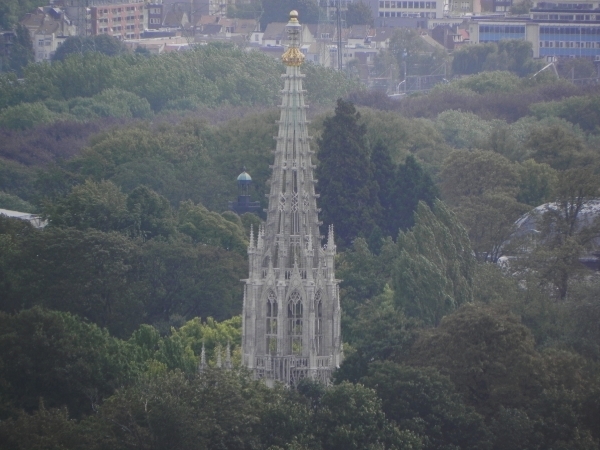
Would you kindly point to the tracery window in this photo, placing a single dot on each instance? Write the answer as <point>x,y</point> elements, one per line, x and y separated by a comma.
<point>318,322</point>
<point>271,330</point>
<point>294,314</point>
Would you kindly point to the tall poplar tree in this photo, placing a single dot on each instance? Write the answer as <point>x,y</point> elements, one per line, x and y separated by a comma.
<point>433,274</point>
<point>345,173</point>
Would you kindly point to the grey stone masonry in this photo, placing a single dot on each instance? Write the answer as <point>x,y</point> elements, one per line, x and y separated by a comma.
<point>291,312</point>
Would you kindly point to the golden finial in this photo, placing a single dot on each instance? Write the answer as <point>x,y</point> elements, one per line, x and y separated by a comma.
<point>293,56</point>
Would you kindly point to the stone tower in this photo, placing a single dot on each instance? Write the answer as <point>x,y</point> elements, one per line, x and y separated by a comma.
<point>291,316</point>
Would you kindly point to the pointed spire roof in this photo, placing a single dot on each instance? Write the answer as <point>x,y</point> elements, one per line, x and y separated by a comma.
<point>202,366</point>
<point>228,364</point>
<point>292,226</point>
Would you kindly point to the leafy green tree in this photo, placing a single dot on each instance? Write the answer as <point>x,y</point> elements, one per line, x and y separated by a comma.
<point>57,357</point>
<point>287,419</point>
<point>359,13</point>
<point>509,55</point>
<point>426,403</point>
<point>556,146</point>
<point>364,273</point>
<point>150,212</point>
<point>433,274</point>
<point>211,228</point>
<point>25,116</point>
<point>474,173</point>
<point>14,203</point>
<point>414,56</point>
<point>11,11</point>
<point>345,172</point>
<point>565,234</point>
<point>218,409</point>
<point>110,103</point>
<point>92,205</point>
<point>463,129</point>
<point>279,11</point>
<point>10,89</point>
<point>490,82</point>
<point>471,59</point>
<point>379,332</point>
<point>537,183</point>
<point>490,221</point>
<point>488,354</point>
<point>351,417</point>
<point>21,52</point>
<point>44,428</point>
<point>87,273</point>
<point>583,111</point>
<point>181,278</point>
<point>103,43</point>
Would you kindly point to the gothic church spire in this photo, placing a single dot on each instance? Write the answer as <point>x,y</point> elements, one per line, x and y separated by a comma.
<point>291,319</point>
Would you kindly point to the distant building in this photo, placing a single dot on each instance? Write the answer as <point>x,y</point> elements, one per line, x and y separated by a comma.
<point>501,5</point>
<point>124,20</point>
<point>154,13</point>
<point>411,14</point>
<point>550,38</point>
<point>451,37</point>
<point>48,28</point>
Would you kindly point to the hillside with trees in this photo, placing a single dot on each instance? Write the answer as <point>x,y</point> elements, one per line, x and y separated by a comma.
<point>132,159</point>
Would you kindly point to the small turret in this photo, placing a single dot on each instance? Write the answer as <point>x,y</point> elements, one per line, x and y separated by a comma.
<point>202,365</point>
<point>243,204</point>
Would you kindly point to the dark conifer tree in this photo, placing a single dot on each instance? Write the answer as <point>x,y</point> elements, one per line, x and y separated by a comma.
<point>384,172</point>
<point>412,185</point>
<point>345,173</point>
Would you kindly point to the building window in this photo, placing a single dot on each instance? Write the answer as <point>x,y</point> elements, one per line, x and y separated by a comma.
<point>271,325</point>
<point>295,322</point>
<point>318,323</point>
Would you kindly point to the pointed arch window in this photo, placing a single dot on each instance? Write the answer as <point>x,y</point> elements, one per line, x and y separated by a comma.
<point>271,325</point>
<point>318,322</point>
<point>295,322</point>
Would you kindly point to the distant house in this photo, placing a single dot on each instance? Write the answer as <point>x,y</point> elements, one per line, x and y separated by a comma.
<point>155,12</point>
<point>177,16</point>
<point>48,28</point>
<point>451,37</point>
<point>275,36</point>
<point>381,40</point>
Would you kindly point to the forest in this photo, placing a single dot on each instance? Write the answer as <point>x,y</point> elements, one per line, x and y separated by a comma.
<point>461,329</point>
